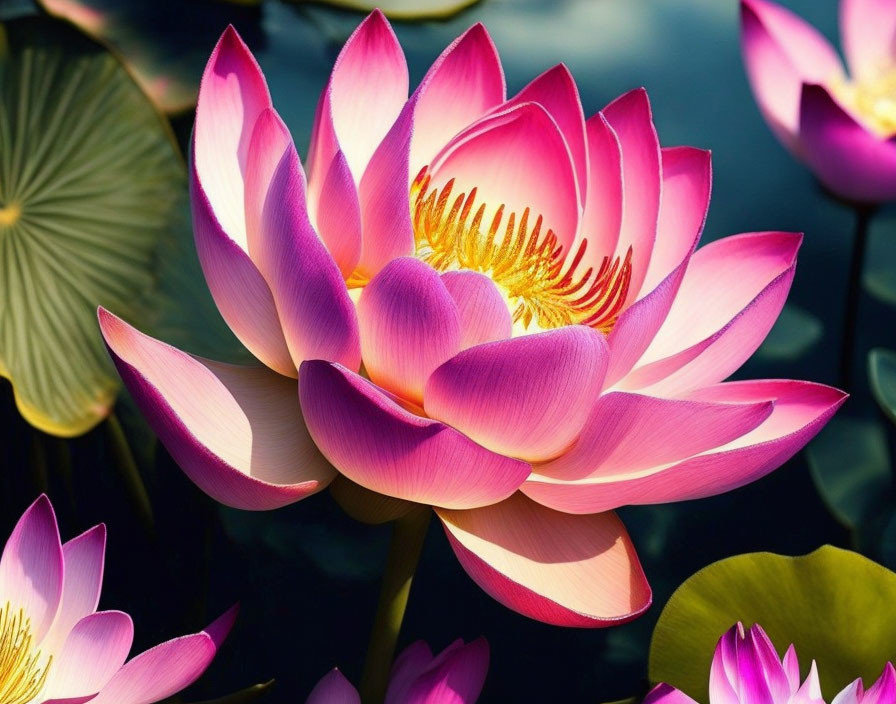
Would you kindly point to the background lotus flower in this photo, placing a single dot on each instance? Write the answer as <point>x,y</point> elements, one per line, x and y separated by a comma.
<point>843,126</point>
<point>454,676</point>
<point>540,342</point>
<point>56,648</point>
<point>746,668</point>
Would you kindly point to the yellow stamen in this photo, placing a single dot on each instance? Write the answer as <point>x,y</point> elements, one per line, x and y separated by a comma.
<point>10,214</point>
<point>22,676</point>
<point>872,100</point>
<point>543,286</point>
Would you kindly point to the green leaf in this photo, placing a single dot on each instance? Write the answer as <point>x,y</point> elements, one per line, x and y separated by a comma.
<point>882,376</point>
<point>834,605</point>
<point>90,182</point>
<point>850,464</point>
<point>244,696</point>
<point>795,332</point>
<point>879,277</point>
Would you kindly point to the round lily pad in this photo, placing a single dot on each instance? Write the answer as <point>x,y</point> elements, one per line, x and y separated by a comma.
<point>834,605</point>
<point>91,182</point>
<point>882,376</point>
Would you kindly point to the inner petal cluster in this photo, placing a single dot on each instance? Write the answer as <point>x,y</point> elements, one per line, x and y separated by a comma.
<point>873,100</point>
<point>543,287</point>
<point>23,672</point>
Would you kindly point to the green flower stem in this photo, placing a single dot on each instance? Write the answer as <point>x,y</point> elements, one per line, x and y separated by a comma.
<point>408,534</point>
<point>864,214</point>
<point>130,473</point>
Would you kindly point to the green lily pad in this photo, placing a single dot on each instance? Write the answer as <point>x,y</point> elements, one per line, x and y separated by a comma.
<point>795,332</point>
<point>879,277</point>
<point>834,605</point>
<point>882,376</point>
<point>90,181</point>
<point>850,464</point>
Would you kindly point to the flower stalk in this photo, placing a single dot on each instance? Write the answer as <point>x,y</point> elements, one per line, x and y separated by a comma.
<point>408,535</point>
<point>864,213</point>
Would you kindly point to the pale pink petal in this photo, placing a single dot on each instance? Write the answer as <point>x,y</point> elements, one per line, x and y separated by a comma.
<point>333,688</point>
<point>868,33</point>
<point>160,671</point>
<point>810,692</point>
<point>456,676</point>
<point>31,568</point>
<point>791,666</point>
<point>781,51</point>
<point>517,158</point>
<point>383,447</point>
<point>730,297</point>
<point>603,195</point>
<point>409,325</point>
<point>852,693</point>
<point>632,121</point>
<point>666,694</point>
<point>464,83</point>
<point>724,673</point>
<point>236,431</point>
<point>337,215</point>
<point>364,95</point>
<point>560,569</point>
<point>93,652</point>
<point>317,315</point>
<point>484,315</point>
<point>524,397</point>
<point>626,433</point>
<point>687,183</point>
<point>555,90</point>
<point>800,410</point>
<point>84,559</point>
<point>849,160</point>
<point>232,94</point>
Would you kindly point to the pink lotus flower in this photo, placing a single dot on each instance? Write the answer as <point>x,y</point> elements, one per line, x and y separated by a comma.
<point>843,127</point>
<point>56,648</point>
<point>540,341</point>
<point>454,676</point>
<point>746,669</point>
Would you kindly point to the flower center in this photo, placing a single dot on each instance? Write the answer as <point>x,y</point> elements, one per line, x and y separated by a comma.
<point>22,675</point>
<point>873,100</point>
<point>543,287</point>
<point>10,214</point>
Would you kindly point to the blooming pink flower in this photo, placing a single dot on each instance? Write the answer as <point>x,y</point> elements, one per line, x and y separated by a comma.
<point>454,676</point>
<point>540,341</point>
<point>843,127</point>
<point>746,669</point>
<point>56,648</point>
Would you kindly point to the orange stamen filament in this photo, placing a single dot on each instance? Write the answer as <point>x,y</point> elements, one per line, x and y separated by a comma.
<point>543,286</point>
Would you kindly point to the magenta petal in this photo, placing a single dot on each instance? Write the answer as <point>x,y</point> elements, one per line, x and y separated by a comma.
<point>93,652</point>
<point>409,326</point>
<point>317,315</point>
<point>560,569</point>
<point>524,397</point>
<point>848,159</point>
<point>627,433</point>
<point>868,33</point>
<point>801,409</point>
<point>484,315</point>
<point>84,560</point>
<point>602,217</point>
<point>333,688</point>
<point>337,215</point>
<point>555,90</point>
<point>884,690</point>
<point>632,121</point>
<point>464,83</point>
<point>159,672</point>
<point>236,431</point>
<point>31,568</point>
<point>409,664</point>
<point>381,446</point>
<point>517,158</point>
<point>666,694</point>
<point>687,183</point>
<point>456,676</point>
<point>781,51</point>
<point>705,338</point>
